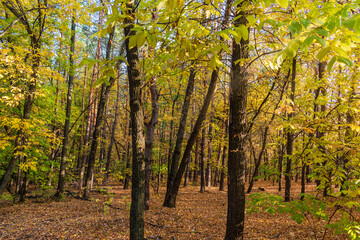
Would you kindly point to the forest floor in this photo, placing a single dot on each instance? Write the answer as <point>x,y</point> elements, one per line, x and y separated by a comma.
<point>196,216</point>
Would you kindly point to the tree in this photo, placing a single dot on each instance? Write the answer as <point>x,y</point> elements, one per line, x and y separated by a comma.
<point>137,130</point>
<point>237,130</point>
<point>61,183</point>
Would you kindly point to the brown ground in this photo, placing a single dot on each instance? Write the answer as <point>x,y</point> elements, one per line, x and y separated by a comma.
<point>197,216</point>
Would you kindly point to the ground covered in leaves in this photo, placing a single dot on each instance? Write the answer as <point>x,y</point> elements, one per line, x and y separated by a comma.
<point>196,216</point>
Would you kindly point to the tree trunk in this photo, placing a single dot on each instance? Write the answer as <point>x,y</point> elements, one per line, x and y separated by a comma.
<point>209,160</point>
<point>126,153</point>
<point>290,137</point>
<point>202,162</point>
<point>104,95</point>
<point>172,190</point>
<point>113,129</point>
<point>149,141</point>
<point>137,130</point>
<point>237,134</point>
<point>218,159</point>
<point>222,172</point>
<point>280,167</point>
<point>61,183</point>
<point>90,122</point>
<point>196,160</point>
<point>180,135</point>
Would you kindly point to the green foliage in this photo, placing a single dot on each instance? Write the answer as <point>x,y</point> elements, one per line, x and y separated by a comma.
<point>310,209</point>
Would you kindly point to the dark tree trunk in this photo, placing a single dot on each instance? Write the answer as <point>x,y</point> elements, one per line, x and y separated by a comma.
<point>280,167</point>
<point>104,95</point>
<point>196,161</point>
<point>258,160</point>
<point>172,190</point>
<point>303,180</point>
<point>180,135</point>
<point>202,162</point>
<point>171,131</point>
<point>137,131</point>
<point>187,174</point>
<point>90,118</point>
<point>113,129</point>
<point>209,160</point>
<point>237,134</point>
<point>290,137</point>
<point>149,141</point>
<point>128,166</point>
<point>61,183</point>
<point>218,159</point>
<point>222,172</point>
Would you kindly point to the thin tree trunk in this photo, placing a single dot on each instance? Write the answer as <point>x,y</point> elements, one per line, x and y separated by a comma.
<point>172,190</point>
<point>202,162</point>
<point>222,172</point>
<point>104,95</point>
<point>218,162</point>
<point>196,160</point>
<point>180,135</point>
<point>92,102</point>
<point>209,160</point>
<point>149,141</point>
<point>61,183</point>
<point>290,137</point>
<point>171,131</point>
<point>281,156</point>
<point>113,129</point>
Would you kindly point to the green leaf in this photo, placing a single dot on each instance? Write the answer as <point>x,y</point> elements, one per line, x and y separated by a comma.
<point>305,22</point>
<point>320,40</point>
<point>296,26</point>
<point>292,48</point>
<point>321,32</point>
<point>322,53</point>
<point>141,39</point>
<point>308,41</point>
<point>132,42</point>
<point>331,63</point>
<point>244,32</point>
<point>346,61</point>
<point>251,19</point>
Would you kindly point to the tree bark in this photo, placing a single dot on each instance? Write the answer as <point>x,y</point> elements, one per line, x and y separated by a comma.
<point>149,141</point>
<point>222,171</point>
<point>104,95</point>
<point>290,137</point>
<point>180,134</point>
<point>237,134</point>
<point>113,129</point>
<point>196,161</point>
<point>61,183</point>
<point>202,162</point>
<point>90,122</point>
<point>172,190</point>
<point>209,160</point>
<point>137,130</point>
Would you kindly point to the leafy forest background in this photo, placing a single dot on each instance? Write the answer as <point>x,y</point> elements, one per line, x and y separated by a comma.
<point>153,93</point>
